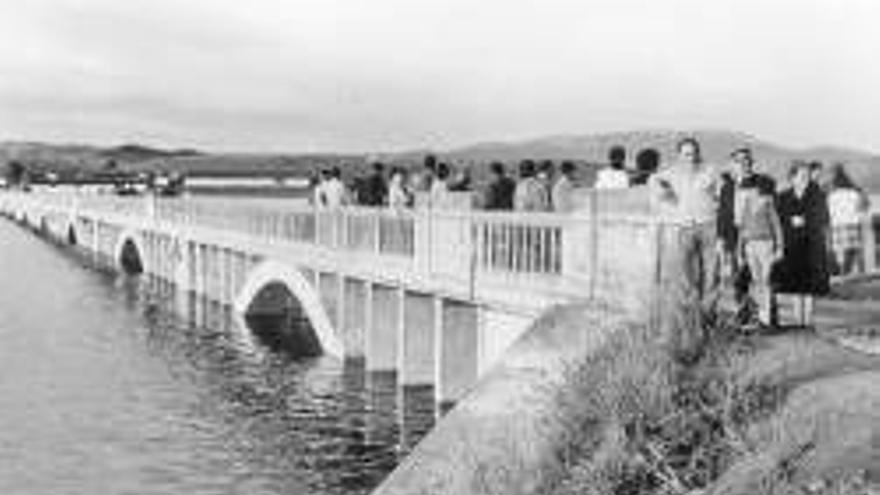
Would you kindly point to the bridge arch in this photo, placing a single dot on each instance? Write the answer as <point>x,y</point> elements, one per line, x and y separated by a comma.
<point>70,234</point>
<point>129,253</point>
<point>272,275</point>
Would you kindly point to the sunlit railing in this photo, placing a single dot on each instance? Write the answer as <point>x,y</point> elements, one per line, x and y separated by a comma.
<point>521,245</point>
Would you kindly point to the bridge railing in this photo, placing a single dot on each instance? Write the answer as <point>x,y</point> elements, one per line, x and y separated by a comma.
<point>109,203</point>
<point>561,251</point>
<point>591,251</point>
<point>507,243</point>
<point>380,231</point>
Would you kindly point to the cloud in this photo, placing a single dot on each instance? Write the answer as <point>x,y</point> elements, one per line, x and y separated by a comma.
<point>353,75</point>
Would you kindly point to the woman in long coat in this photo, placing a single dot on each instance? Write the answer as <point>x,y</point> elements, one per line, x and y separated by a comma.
<point>803,211</point>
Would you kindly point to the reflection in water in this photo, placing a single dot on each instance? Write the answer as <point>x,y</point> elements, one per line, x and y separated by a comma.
<point>154,391</point>
<point>346,428</point>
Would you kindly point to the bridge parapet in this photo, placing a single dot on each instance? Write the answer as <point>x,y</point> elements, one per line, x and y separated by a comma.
<point>594,252</point>
<point>570,256</point>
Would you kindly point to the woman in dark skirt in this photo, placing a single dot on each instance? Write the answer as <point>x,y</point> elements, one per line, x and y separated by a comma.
<point>804,272</point>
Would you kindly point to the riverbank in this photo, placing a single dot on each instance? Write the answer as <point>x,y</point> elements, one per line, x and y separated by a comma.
<point>787,413</point>
<point>588,402</point>
<point>791,412</point>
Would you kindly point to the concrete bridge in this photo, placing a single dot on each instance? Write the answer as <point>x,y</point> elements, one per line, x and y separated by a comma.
<point>433,295</point>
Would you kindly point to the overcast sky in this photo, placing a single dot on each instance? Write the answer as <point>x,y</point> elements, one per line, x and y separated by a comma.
<point>309,75</point>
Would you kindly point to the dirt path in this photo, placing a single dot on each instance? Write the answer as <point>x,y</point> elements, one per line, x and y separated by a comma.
<point>851,316</point>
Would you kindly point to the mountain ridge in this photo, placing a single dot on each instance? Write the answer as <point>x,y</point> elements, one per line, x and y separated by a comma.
<point>591,148</point>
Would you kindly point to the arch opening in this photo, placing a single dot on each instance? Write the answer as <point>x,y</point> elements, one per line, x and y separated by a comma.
<point>269,273</point>
<point>130,258</point>
<point>279,320</point>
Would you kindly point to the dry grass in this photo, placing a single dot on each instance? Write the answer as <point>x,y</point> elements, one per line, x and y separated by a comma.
<point>640,423</point>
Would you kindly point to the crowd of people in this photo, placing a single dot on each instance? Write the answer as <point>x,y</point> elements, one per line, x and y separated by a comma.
<point>536,186</point>
<point>745,232</point>
<point>760,240</point>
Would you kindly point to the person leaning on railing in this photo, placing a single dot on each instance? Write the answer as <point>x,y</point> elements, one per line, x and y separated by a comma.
<point>499,191</point>
<point>614,176</point>
<point>330,192</point>
<point>399,196</point>
<point>439,197</point>
<point>375,187</point>
<point>530,194</point>
<point>563,188</point>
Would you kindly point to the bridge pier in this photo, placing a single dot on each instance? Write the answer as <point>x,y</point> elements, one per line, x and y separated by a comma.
<point>419,357</point>
<point>205,270</point>
<point>458,348</point>
<point>355,315</point>
<point>385,329</point>
<point>226,281</point>
<point>330,292</point>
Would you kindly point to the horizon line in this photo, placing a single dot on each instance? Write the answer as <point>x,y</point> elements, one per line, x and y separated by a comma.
<point>488,141</point>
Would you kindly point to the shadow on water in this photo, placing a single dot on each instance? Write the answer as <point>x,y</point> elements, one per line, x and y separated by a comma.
<point>301,420</point>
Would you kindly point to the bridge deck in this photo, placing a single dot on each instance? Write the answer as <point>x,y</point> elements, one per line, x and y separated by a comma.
<point>852,315</point>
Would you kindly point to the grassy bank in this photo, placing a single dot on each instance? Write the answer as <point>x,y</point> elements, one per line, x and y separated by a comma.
<point>754,415</point>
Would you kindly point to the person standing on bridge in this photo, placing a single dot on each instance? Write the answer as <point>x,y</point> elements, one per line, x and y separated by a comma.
<point>499,191</point>
<point>318,182</point>
<point>530,193</point>
<point>803,210</point>
<point>614,176</point>
<point>330,192</point>
<point>759,233</point>
<point>439,197</point>
<point>335,190</point>
<point>563,190</point>
<point>399,196</point>
<point>688,191</point>
<point>375,188</point>
<point>847,205</point>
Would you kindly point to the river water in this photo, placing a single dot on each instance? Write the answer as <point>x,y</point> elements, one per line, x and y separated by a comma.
<point>109,386</point>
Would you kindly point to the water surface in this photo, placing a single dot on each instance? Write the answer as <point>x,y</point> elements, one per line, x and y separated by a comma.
<point>117,385</point>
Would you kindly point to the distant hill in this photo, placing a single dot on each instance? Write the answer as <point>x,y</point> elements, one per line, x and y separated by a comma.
<point>588,149</point>
<point>41,156</point>
<point>136,157</point>
<point>716,146</point>
<point>128,153</point>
